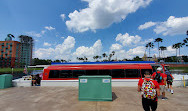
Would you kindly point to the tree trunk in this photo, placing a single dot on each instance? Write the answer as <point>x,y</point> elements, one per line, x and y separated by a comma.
<point>176,55</point>
<point>149,51</point>
<point>159,50</point>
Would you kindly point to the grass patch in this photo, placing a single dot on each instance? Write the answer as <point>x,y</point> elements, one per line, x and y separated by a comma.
<point>180,68</point>
<point>18,69</point>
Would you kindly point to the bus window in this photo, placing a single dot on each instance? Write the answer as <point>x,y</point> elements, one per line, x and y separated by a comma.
<point>132,73</point>
<point>54,74</point>
<point>65,74</point>
<point>104,72</point>
<point>118,73</point>
<point>92,72</point>
<point>144,70</point>
<point>77,73</point>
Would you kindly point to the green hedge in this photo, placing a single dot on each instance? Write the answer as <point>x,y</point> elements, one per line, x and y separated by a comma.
<point>18,69</point>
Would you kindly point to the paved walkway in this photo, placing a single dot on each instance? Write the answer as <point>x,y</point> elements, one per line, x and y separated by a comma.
<point>66,99</point>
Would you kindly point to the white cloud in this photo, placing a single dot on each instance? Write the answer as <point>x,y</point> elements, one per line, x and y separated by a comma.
<point>61,51</point>
<point>43,31</point>
<point>62,37</point>
<point>138,51</point>
<point>89,52</point>
<point>46,44</point>
<point>101,14</point>
<point>147,41</point>
<point>146,25</point>
<point>49,28</point>
<point>32,33</point>
<point>128,40</point>
<point>62,16</point>
<point>115,47</point>
<point>170,51</point>
<point>173,26</point>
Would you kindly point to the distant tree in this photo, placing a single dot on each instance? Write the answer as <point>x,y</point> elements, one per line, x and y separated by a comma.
<point>94,57</point>
<point>109,57</point>
<point>158,40</point>
<point>85,59</point>
<point>162,48</point>
<point>175,46</point>
<point>179,46</point>
<point>137,58</point>
<point>185,42</point>
<point>62,60</point>
<point>104,55</point>
<point>57,60</point>
<point>149,45</point>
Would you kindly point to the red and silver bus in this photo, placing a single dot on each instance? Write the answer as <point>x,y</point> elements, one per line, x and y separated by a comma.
<point>119,71</point>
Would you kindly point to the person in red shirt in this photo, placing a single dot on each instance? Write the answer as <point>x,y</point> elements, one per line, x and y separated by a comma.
<point>150,90</point>
<point>161,80</point>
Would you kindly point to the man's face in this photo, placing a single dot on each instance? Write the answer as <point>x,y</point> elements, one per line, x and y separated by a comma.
<point>149,76</point>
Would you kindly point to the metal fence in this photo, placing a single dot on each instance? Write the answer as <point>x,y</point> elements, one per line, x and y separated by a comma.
<point>176,62</point>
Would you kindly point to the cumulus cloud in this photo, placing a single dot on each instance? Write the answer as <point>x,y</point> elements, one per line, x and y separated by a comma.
<point>49,28</point>
<point>146,25</point>
<point>173,26</point>
<point>89,52</point>
<point>127,40</point>
<point>46,44</point>
<point>101,14</point>
<point>61,51</point>
<point>115,47</point>
<point>62,16</point>
<point>121,53</point>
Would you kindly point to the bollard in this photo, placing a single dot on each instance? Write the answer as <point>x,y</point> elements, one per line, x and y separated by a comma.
<point>183,81</point>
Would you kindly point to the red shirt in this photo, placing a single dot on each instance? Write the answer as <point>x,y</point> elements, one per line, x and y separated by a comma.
<point>162,75</point>
<point>154,82</point>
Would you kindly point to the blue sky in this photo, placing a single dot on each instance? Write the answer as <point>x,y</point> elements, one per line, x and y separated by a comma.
<point>92,27</point>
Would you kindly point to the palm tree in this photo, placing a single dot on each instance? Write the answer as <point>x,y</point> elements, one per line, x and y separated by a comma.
<point>110,56</point>
<point>150,45</point>
<point>158,40</point>
<point>113,53</point>
<point>85,58</point>
<point>162,48</point>
<point>94,57</point>
<point>175,46</point>
<point>104,55</point>
<point>185,41</point>
<point>179,45</point>
<point>187,32</point>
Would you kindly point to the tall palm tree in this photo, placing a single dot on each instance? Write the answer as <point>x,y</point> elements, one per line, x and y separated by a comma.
<point>175,46</point>
<point>94,57</point>
<point>110,56</point>
<point>104,55</point>
<point>185,42</point>
<point>113,53</point>
<point>179,45</point>
<point>162,48</point>
<point>158,40</point>
<point>149,45</point>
